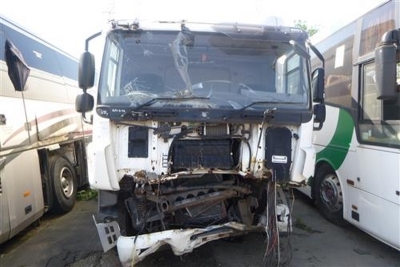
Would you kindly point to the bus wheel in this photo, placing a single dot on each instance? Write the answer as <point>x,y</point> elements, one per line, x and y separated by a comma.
<point>328,195</point>
<point>63,184</point>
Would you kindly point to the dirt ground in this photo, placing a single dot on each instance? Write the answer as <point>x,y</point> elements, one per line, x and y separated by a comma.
<point>71,240</point>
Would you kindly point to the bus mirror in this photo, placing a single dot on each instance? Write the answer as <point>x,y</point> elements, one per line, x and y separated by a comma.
<point>386,72</point>
<point>319,116</point>
<point>317,84</point>
<point>84,103</point>
<point>86,70</point>
<point>18,70</point>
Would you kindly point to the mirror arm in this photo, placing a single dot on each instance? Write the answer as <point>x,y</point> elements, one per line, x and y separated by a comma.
<point>86,120</point>
<point>89,39</point>
<point>316,52</point>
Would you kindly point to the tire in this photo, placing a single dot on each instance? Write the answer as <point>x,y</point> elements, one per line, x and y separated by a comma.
<point>328,195</point>
<point>64,185</point>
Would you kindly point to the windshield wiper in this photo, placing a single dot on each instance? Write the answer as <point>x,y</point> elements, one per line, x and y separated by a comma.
<point>147,103</point>
<point>262,102</point>
<point>137,109</point>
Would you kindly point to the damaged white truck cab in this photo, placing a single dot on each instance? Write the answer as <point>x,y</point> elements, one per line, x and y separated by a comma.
<point>196,128</point>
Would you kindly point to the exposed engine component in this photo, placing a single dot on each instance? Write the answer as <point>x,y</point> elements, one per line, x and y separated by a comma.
<point>193,202</point>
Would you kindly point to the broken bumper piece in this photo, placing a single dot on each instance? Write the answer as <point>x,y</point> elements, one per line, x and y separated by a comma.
<point>133,249</point>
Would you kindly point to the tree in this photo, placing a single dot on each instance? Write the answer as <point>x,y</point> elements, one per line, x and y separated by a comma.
<point>311,30</point>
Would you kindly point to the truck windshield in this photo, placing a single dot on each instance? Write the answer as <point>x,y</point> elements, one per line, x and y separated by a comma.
<point>202,70</point>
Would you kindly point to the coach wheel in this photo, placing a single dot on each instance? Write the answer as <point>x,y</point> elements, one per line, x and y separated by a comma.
<point>64,184</point>
<point>329,195</point>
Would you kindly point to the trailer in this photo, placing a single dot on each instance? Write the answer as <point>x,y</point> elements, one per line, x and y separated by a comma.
<point>43,161</point>
<point>197,128</point>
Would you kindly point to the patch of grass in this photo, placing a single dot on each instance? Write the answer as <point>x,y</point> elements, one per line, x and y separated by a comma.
<point>85,195</point>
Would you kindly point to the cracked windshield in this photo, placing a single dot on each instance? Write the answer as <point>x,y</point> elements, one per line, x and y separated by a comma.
<point>201,70</point>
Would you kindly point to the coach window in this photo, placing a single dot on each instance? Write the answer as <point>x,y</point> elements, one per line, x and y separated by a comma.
<point>379,119</point>
<point>374,25</point>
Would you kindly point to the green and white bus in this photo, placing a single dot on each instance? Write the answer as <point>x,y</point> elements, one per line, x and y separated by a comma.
<point>357,174</point>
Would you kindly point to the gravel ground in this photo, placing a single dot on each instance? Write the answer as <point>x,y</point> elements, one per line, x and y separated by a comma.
<point>71,240</point>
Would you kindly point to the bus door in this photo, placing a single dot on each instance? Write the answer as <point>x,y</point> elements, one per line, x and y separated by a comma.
<point>378,159</point>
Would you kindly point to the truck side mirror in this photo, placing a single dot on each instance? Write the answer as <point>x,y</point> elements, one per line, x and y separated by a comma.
<point>318,89</point>
<point>319,116</point>
<point>386,73</point>
<point>318,85</point>
<point>86,71</point>
<point>386,66</point>
<point>84,103</point>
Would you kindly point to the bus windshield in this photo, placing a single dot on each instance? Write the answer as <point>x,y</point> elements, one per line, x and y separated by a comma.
<point>202,70</point>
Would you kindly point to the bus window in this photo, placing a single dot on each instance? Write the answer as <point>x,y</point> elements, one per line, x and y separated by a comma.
<point>379,119</point>
<point>374,25</point>
<point>338,66</point>
<point>372,107</point>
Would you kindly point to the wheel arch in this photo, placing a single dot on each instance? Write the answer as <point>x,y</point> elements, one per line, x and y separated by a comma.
<point>324,167</point>
<point>75,153</point>
<point>318,165</point>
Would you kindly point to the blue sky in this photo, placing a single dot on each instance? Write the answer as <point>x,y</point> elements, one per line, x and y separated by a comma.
<point>66,24</point>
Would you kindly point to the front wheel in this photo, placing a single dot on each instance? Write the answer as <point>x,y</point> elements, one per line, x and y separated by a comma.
<point>328,195</point>
<point>64,184</point>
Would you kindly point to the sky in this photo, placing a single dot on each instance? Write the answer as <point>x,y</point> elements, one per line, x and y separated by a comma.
<point>66,24</point>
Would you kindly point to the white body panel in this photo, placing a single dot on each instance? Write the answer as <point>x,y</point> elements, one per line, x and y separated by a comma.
<point>41,118</point>
<point>360,139</point>
<point>369,179</point>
